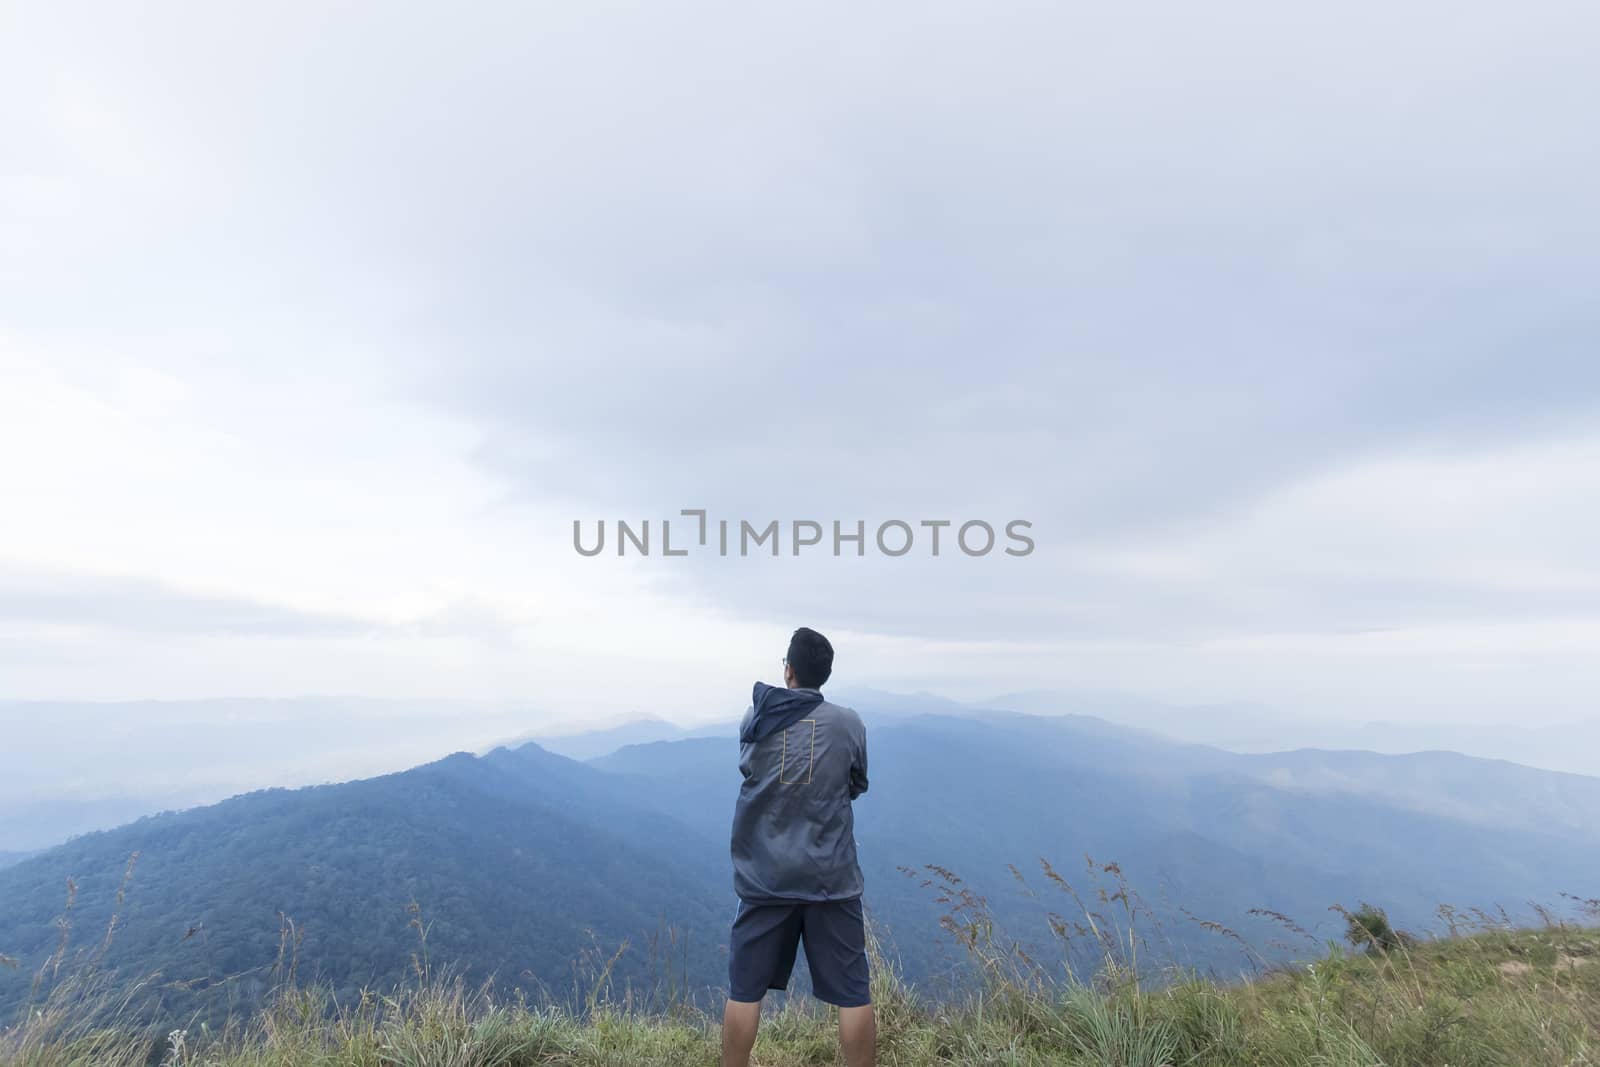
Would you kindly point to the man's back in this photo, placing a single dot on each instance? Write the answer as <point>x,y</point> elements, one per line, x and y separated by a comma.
<point>794,856</point>
<point>793,826</point>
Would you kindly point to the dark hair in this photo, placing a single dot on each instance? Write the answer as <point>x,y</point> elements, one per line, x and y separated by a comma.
<point>811,658</point>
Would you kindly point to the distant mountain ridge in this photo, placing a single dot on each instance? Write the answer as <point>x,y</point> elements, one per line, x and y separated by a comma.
<point>136,758</point>
<point>587,744</point>
<point>521,860</point>
<point>1571,747</point>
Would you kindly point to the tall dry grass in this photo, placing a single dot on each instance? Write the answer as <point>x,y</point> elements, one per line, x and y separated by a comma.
<point>1481,994</point>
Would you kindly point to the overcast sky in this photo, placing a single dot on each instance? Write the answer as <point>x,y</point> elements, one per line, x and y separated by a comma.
<point>320,324</point>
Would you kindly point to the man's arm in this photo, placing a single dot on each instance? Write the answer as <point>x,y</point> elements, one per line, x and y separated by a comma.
<point>744,749</point>
<point>858,768</point>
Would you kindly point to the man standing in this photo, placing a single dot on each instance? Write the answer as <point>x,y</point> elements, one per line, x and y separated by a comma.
<point>794,855</point>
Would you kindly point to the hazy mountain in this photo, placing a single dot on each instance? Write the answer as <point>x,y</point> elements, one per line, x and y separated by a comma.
<point>1215,832</point>
<point>587,744</point>
<point>1572,747</point>
<point>1492,792</point>
<point>8,858</point>
<point>93,765</point>
<point>517,860</point>
<point>70,767</point>
<point>521,859</point>
<point>28,826</point>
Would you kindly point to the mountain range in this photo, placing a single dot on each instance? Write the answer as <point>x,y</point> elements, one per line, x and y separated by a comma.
<point>95,765</point>
<point>534,867</point>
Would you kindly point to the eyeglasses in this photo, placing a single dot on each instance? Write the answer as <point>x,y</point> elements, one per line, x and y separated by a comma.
<point>784,662</point>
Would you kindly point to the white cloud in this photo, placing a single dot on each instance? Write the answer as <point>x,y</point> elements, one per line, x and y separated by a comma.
<point>1272,320</point>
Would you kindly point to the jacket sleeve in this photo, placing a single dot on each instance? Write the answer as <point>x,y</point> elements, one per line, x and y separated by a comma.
<point>745,750</point>
<point>858,769</point>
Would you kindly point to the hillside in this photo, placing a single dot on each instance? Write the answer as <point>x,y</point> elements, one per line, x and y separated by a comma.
<point>1501,998</point>
<point>1201,833</point>
<point>525,865</point>
<point>516,861</point>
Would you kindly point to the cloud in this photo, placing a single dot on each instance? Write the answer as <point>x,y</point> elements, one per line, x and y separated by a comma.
<point>1274,322</point>
<point>152,607</point>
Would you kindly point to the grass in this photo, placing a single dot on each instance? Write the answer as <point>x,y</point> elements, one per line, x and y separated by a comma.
<point>1479,995</point>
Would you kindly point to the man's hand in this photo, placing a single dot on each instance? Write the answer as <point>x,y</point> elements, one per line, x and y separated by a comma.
<point>858,771</point>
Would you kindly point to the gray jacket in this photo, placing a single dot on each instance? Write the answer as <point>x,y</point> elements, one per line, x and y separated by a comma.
<point>803,760</point>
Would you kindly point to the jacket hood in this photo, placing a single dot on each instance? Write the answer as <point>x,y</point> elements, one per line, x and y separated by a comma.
<point>773,709</point>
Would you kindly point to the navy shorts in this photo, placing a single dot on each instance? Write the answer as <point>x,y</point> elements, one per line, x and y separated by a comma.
<point>762,947</point>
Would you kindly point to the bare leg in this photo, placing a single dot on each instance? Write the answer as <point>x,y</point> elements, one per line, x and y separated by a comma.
<point>739,1022</point>
<point>858,1036</point>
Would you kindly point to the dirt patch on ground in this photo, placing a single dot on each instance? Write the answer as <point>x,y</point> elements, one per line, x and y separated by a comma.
<point>1516,967</point>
